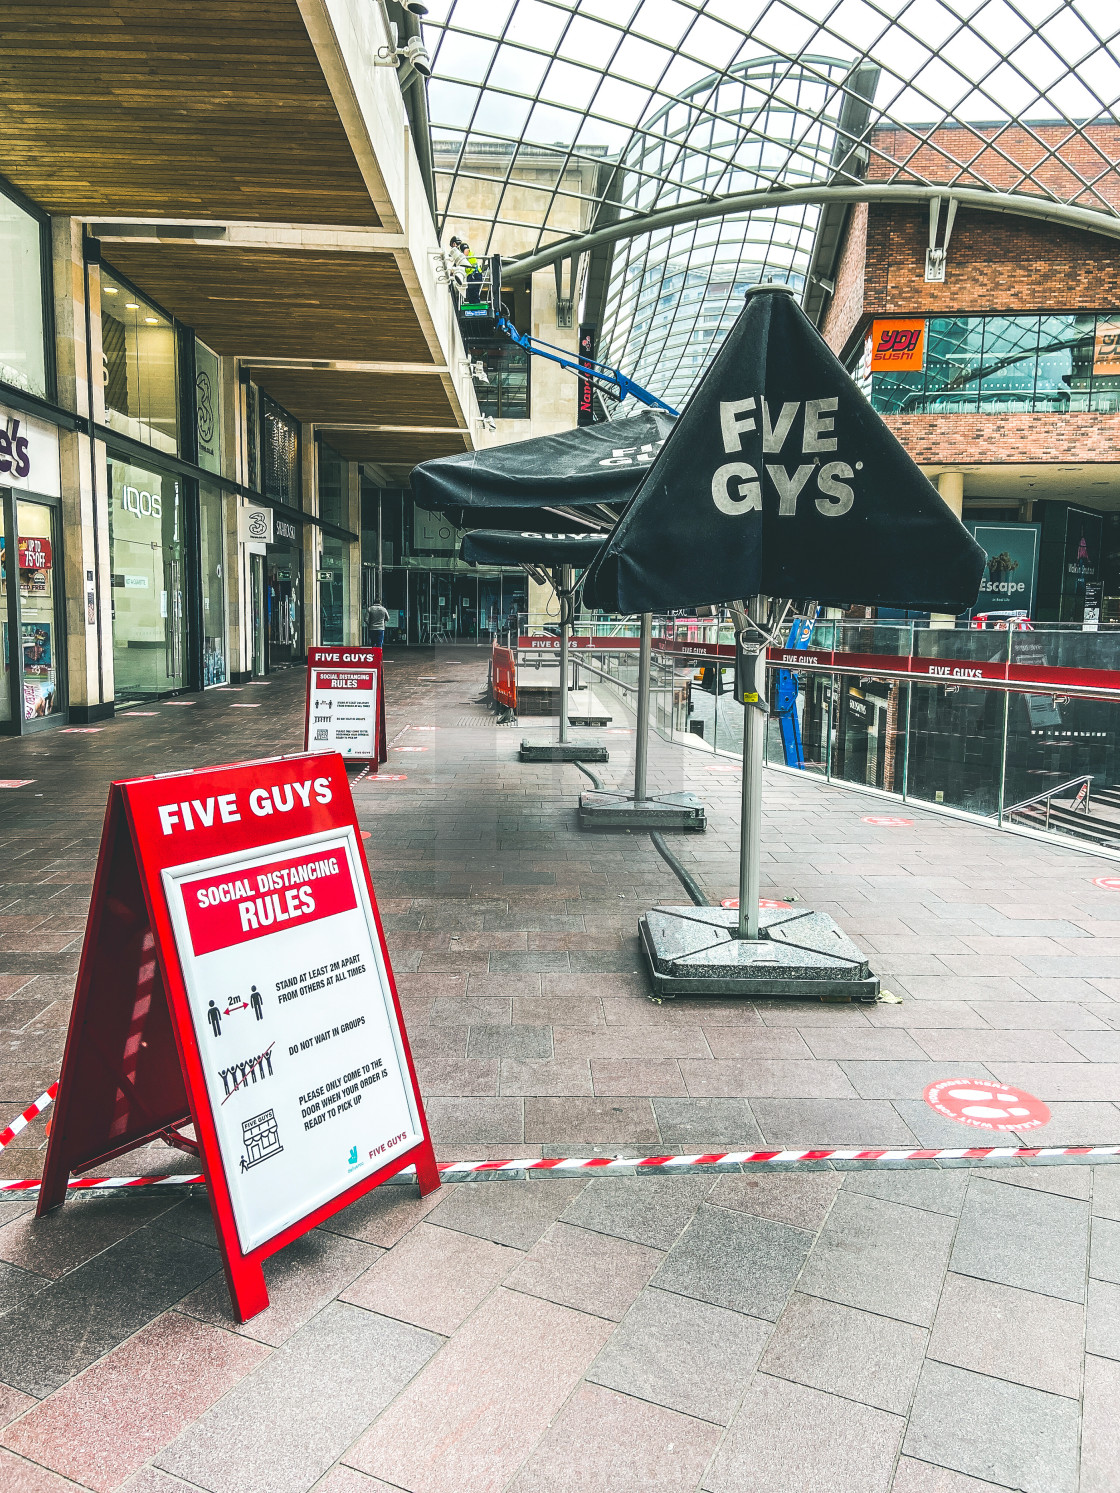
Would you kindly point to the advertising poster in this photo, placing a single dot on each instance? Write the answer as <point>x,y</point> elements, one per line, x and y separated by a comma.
<point>1081,561</point>
<point>1011,572</point>
<point>585,414</point>
<point>294,1023</point>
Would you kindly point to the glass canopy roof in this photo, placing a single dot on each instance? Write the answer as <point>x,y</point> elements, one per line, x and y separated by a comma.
<point>558,117</point>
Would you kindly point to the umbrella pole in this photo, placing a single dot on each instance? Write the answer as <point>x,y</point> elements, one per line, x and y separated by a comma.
<point>750,830</point>
<point>565,629</point>
<point>641,737</point>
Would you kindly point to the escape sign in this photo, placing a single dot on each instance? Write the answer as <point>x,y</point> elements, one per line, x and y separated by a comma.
<point>345,707</point>
<point>985,1105</point>
<point>235,978</point>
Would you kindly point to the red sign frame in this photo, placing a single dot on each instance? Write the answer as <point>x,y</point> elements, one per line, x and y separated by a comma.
<point>353,660</point>
<point>132,1072</point>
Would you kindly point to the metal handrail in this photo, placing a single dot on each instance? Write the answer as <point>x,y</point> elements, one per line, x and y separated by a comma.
<point>1049,793</point>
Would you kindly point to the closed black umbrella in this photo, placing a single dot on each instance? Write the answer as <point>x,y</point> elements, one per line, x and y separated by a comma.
<point>780,479</point>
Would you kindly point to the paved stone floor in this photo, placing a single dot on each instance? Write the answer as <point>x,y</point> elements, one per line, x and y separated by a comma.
<point>924,1329</point>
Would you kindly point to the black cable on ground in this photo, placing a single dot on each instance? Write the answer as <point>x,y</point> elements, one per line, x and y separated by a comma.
<point>595,783</point>
<point>683,875</point>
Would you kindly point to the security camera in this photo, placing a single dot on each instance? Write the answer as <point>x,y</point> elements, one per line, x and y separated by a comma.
<point>479,374</point>
<point>417,54</point>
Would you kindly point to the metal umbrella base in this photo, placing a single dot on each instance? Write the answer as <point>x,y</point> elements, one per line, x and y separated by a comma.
<point>799,953</point>
<point>563,751</point>
<point>607,810</point>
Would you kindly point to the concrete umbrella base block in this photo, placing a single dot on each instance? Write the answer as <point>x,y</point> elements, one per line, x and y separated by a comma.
<point>799,953</point>
<point>563,751</point>
<point>603,810</point>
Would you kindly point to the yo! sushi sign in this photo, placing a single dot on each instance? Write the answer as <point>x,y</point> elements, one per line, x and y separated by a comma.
<point>29,454</point>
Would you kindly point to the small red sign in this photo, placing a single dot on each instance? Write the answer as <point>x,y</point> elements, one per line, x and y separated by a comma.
<point>345,705</point>
<point>15,782</point>
<point>891,821</point>
<point>764,902</point>
<point>34,553</point>
<point>986,1106</point>
<point>1110,883</point>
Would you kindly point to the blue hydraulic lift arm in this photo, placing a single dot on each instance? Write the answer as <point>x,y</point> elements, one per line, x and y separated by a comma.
<point>601,373</point>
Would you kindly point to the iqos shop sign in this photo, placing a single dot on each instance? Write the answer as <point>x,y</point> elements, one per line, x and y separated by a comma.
<point>141,502</point>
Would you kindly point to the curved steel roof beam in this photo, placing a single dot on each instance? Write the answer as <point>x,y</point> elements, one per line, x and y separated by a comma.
<point>1020,204</point>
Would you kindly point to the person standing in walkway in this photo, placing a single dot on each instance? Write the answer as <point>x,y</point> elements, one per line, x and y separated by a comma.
<point>377,619</point>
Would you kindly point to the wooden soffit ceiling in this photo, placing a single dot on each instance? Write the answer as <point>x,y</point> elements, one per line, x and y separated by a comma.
<point>337,397</point>
<point>216,109</point>
<point>397,451</point>
<point>280,303</point>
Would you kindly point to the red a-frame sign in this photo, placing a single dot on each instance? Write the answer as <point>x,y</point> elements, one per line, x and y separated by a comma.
<point>344,710</point>
<point>235,978</point>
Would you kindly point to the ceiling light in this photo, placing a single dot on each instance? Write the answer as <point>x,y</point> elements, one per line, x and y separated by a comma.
<point>153,321</point>
<point>110,290</point>
<point>131,306</point>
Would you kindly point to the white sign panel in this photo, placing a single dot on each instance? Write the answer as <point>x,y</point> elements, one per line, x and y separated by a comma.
<point>343,711</point>
<point>254,524</point>
<point>29,454</point>
<point>295,1025</point>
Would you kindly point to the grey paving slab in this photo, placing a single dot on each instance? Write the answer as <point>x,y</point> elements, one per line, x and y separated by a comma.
<point>281,1428</point>
<point>913,1476</point>
<point>784,1429</point>
<point>856,1122</point>
<point>701,1124</point>
<point>646,1209</point>
<point>995,1431</point>
<point>860,1355</point>
<point>1102,1319</point>
<point>63,1328</point>
<point>683,1353</point>
<point>590,1272</point>
<point>301,1279</point>
<point>881,1257</point>
<point>1019,1237</point>
<point>509,1042</point>
<point>1100,1432</point>
<point>798,1198</point>
<point>511,1213</point>
<point>933,1188</point>
<point>1104,1255</point>
<point>606,1442</point>
<point>1010,1334</point>
<point>1106,1191</point>
<point>735,1260</point>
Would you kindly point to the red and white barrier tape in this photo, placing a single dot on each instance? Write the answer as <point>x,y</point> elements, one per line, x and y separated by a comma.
<point>643,1163</point>
<point>28,1115</point>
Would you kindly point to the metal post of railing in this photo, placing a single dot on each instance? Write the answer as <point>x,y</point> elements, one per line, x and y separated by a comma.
<point>641,738</point>
<point>1003,745</point>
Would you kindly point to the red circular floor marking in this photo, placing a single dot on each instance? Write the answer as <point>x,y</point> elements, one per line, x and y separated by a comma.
<point>891,820</point>
<point>986,1106</point>
<point>388,777</point>
<point>764,902</point>
<point>410,749</point>
<point>1110,883</point>
<point>367,834</point>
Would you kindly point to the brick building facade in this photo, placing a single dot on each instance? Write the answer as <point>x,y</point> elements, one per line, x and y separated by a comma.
<point>1013,432</point>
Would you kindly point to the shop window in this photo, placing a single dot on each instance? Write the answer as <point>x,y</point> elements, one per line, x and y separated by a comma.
<point>146,557</point>
<point>212,554</point>
<point>506,396</point>
<point>279,452</point>
<point>283,582</point>
<point>1009,363</point>
<point>139,366</point>
<point>23,328</point>
<point>334,591</point>
<point>333,493</point>
<point>1106,364</point>
<point>207,407</point>
<point>954,358</point>
<point>1065,363</point>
